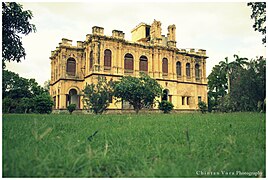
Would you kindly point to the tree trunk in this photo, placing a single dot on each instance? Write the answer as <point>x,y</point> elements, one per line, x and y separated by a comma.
<point>228,82</point>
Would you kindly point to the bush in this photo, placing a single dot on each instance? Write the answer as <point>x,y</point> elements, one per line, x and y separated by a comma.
<point>166,106</point>
<point>97,97</point>
<point>43,103</point>
<point>71,108</point>
<point>202,106</point>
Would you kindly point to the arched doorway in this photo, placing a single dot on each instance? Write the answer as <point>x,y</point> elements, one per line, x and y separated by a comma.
<point>166,96</point>
<point>73,98</point>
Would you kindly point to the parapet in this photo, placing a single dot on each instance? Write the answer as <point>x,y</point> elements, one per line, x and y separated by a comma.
<point>202,52</point>
<point>199,52</point>
<point>79,44</point>
<point>66,42</point>
<point>98,30</point>
<point>118,34</point>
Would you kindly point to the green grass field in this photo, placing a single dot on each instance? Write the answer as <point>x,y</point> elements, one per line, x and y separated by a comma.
<point>145,145</point>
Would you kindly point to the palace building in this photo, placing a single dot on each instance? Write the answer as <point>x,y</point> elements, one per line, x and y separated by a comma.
<point>181,72</point>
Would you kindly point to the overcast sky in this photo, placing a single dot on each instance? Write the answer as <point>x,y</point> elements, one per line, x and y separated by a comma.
<point>223,29</point>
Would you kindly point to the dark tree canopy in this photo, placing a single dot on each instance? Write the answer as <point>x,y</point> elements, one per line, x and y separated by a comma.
<point>248,85</point>
<point>139,92</point>
<point>15,22</point>
<point>20,95</point>
<point>259,16</point>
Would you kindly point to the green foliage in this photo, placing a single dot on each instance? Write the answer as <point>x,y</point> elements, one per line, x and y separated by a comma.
<point>18,93</point>
<point>147,145</point>
<point>15,22</point>
<point>217,86</point>
<point>97,97</point>
<point>43,103</point>
<point>71,108</point>
<point>166,106</point>
<point>245,81</point>
<point>139,92</point>
<point>7,104</point>
<point>26,105</point>
<point>249,86</point>
<point>259,16</point>
<point>46,85</point>
<point>226,104</point>
<point>202,107</point>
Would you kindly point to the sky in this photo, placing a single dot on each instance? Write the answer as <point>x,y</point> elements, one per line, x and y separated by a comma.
<point>221,28</point>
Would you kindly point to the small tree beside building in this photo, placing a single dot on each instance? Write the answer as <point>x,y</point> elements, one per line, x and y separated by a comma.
<point>97,97</point>
<point>139,92</point>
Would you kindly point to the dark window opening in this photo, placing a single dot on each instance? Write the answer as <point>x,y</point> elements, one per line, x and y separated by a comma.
<point>165,66</point>
<point>178,68</point>
<point>90,59</point>
<point>182,100</point>
<point>128,63</point>
<point>199,99</point>
<point>197,71</point>
<point>188,70</point>
<point>188,101</point>
<point>107,59</point>
<point>71,66</point>
<point>143,64</point>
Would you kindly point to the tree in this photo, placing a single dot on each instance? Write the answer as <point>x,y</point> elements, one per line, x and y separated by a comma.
<point>248,85</point>
<point>18,92</point>
<point>26,105</point>
<point>139,92</point>
<point>97,97</point>
<point>15,22</point>
<point>43,103</point>
<point>259,16</point>
<point>227,68</point>
<point>46,85</point>
<point>217,87</point>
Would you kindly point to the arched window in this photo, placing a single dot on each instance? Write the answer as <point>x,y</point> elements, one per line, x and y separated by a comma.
<point>107,59</point>
<point>188,70</point>
<point>128,63</point>
<point>143,64</point>
<point>165,66</point>
<point>197,71</point>
<point>90,59</point>
<point>71,66</point>
<point>178,68</point>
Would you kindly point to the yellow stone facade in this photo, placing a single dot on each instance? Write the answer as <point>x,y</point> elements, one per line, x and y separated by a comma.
<point>181,72</point>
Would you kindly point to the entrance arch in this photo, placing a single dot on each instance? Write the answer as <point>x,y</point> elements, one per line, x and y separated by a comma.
<point>73,98</point>
<point>165,95</point>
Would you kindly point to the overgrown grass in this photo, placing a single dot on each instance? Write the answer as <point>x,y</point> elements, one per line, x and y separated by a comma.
<point>146,145</point>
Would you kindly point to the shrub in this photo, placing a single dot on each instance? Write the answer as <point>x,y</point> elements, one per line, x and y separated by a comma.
<point>202,106</point>
<point>166,106</point>
<point>43,103</point>
<point>71,108</point>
